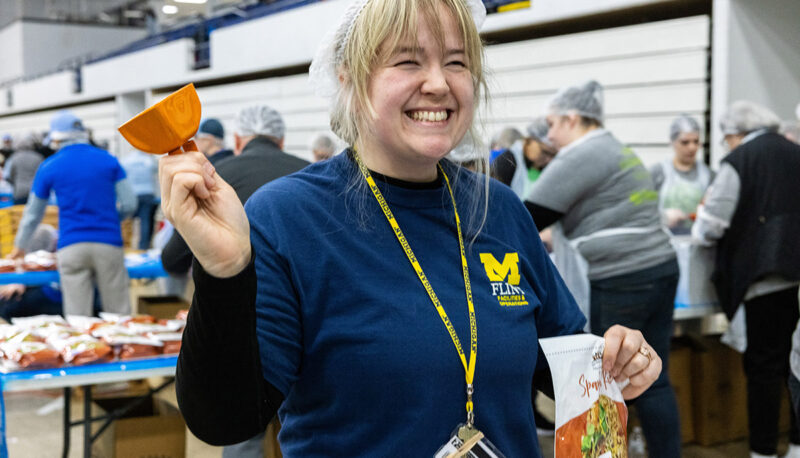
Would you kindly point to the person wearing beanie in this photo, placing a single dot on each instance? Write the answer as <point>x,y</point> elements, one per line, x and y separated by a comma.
<point>609,244</point>
<point>210,140</point>
<point>20,168</point>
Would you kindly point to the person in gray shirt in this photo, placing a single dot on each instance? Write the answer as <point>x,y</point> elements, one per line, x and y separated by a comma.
<point>609,244</point>
<point>21,166</point>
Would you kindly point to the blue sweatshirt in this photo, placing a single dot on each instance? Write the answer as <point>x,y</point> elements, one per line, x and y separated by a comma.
<point>348,334</point>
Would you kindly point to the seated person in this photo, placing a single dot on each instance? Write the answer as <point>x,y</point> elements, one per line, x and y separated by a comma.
<point>18,300</point>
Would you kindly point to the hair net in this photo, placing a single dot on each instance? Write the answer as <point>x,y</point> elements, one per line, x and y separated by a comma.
<point>744,117</point>
<point>27,142</point>
<point>538,129</point>
<point>323,142</point>
<point>585,100</point>
<point>323,74</point>
<point>505,138</point>
<point>681,125</point>
<point>260,120</point>
<point>467,151</point>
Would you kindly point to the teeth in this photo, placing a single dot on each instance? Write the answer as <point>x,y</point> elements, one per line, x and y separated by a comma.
<point>429,116</point>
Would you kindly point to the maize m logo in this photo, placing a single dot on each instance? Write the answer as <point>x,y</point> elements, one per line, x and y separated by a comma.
<point>504,279</point>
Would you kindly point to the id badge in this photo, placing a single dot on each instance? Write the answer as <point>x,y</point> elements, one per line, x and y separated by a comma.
<point>475,448</point>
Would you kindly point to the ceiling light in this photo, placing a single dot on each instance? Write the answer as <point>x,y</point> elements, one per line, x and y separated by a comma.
<point>169,9</point>
<point>189,1</point>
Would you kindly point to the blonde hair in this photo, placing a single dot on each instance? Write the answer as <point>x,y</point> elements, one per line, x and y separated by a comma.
<point>380,28</point>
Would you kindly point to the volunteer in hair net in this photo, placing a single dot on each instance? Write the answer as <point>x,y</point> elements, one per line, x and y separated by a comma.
<point>354,298</point>
<point>681,180</point>
<point>752,213</point>
<point>609,244</point>
<point>93,196</point>
<point>520,166</point>
<point>322,147</point>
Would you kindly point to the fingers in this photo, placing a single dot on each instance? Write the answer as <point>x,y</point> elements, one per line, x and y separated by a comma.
<point>641,381</point>
<point>183,167</point>
<point>628,356</point>
<point>621,344</point>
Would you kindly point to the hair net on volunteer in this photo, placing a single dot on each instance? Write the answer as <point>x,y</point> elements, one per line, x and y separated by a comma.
<point>681,125</point>
<point>585,100</point>
<point>260,120</point>
<point>743,117</point>
<point>537,130</point>
<point>323,74</point>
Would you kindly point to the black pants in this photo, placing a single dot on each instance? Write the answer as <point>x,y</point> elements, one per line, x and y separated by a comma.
<point>771,320</point>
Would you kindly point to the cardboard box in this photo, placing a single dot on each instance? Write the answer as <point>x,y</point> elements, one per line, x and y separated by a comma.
<point>161,307</point>
<point>161,434</point>
<point>719,393</point>
<point>680,375</point>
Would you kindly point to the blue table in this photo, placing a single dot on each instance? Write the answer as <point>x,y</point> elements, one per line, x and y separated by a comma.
<point>139,266</point>
<point>83,376</point>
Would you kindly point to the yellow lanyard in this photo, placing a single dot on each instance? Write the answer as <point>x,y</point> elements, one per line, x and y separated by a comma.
<point>469,368</point>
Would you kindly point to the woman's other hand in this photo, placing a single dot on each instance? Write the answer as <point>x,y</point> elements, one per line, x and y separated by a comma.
<point>628,356</point>
<point>206,212</point>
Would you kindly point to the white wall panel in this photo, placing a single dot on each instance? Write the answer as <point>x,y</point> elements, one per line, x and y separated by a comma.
<point>36,93</point>
<point>152,67</point>
<point>11,52</point>
<point>48,44</point>
<point>644,39</point>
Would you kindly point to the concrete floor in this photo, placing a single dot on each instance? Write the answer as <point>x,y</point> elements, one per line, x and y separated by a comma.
<point>34,422</point>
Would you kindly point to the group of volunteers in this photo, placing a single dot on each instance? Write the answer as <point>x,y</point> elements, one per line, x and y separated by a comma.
<point>382,300</point>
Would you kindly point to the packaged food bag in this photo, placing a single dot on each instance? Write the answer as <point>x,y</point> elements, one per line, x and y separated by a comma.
<point>591,416</point>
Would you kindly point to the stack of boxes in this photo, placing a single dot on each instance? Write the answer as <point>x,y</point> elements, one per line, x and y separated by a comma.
<point>9,223</point>
<point>11,216</point>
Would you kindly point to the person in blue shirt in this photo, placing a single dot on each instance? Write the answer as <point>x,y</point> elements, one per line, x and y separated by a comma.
<point>339,295</point>
<point>141,170</point>
<point>93,195</point>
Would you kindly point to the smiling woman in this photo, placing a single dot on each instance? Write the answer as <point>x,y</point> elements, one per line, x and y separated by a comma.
<point>337,298</point>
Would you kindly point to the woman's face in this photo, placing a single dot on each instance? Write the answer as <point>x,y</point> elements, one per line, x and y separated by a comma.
<point>422,96</point>
<point>562,129</point>
<point>686,146</point>
<point>538,154</point>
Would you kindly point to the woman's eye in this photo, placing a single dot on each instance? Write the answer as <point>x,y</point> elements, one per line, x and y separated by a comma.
<point>458,63</point>
<point>406,62</point>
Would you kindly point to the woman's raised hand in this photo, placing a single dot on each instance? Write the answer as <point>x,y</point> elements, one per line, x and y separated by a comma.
<point>206,212</point>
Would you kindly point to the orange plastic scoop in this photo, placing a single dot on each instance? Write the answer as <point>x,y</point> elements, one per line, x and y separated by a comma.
<point>167,126</point>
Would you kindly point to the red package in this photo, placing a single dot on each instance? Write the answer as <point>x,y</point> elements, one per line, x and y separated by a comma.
<point>33,355</point>
<point>171,341</point>
<point>37,355</point>
<point>128,351</point>
<point>83,349</point>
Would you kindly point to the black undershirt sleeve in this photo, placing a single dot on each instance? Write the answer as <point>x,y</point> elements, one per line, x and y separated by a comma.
<point>504,167</point>
<point>176,257</point>
<point>219,381</point>
<point>543,217</point>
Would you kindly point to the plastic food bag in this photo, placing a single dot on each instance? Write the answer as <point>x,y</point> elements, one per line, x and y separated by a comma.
<point>591,416</point>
